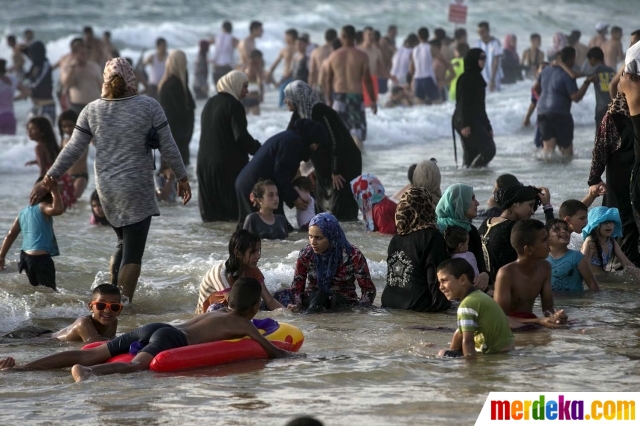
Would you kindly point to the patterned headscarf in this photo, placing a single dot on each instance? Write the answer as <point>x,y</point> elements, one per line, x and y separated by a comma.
<point>600,215</point>
<point>302,96</point>
<point>453,206</point>
<point>415,211</point>
<point>232,83</point>
<point>367,190</point>
<point>328,262</point>
<point>120,66</point>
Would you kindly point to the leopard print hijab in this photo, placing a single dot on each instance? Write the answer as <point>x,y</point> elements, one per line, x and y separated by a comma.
<point>619,106</point>
<point>415,211</point>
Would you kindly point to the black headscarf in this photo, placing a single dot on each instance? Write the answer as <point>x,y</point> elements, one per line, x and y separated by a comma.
<point>310,132</point>
<point>471,66</point>
<point>510,195</point>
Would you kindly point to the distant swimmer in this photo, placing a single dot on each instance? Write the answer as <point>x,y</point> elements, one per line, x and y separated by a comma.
<point>348,68</point>
<point>248,45</point>
<point>376,61</point>
<point>286,54</point>
<point>226,44</point>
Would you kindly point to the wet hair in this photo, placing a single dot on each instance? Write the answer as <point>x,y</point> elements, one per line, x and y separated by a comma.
<point>46,198</point>
<point>292,32</point>
<point>439,34</point>
<point>330,35</point>
<point>596,54</point>
<point>484,25</point>
<point>524,233</point>
<point>571,208</point>
<point>240,241</point>
<point>48,137</point>
<point>115,87</point>
<point>553,222</point>
<point>304,421</point>
<point>303,183</point>
<point>68,115</point>
<point>457,267</point>
<point>245,294</point>
<point>359,37</point>
<point>11,39</point>
<point>506,180</point>
<point>595,239</point>
<point>348,32</point>
<point>95,197</point>
<point>423,34</point>
<point>227,26</point>
<point>87,30</point>
<point>412,40</point>
<point>459,33</point>
<point>259,189</point>
<point>412,169</point>
<point>463,49</point>
<point>454,236</point>
<point>336,44</point>
<point>535,36</point>
<point>104,290</point>
<point>160,41</point>
<point>567,53</point>
<point>616,30</point>
<point>254,25</point>
<point>3,67</point>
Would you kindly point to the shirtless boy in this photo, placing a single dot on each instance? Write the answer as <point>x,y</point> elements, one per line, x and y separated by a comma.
<point>286,54</point>
<point>248,45</point>
<point>224,324</point>
<point>105,306</point>
<point>519,283</point>
<point>612,48</point>
<point>347,70</point>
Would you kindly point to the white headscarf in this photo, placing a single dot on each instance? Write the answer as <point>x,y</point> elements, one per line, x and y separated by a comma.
<point>302,96</point>
<point>232,83</point>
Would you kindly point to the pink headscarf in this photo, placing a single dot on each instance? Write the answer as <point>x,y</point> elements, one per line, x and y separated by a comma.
<point>120,66</point>
<point>510,44</point>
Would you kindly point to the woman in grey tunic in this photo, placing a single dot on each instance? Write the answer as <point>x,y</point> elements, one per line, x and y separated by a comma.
<point>119,124</point>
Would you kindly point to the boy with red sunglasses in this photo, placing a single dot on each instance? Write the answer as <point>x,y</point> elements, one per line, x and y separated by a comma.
<point>105,306</point>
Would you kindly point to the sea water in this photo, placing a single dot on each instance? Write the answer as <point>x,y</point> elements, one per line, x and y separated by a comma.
<point>373,367</point>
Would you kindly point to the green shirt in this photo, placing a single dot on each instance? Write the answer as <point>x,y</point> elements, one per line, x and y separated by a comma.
<point>458,68</point>
<point>481,315</point>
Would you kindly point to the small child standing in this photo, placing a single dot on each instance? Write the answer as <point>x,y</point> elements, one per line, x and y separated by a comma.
<point>569,268</point>
<point>457,239</point>
<point>255,73</point>
<point>39,242</point>
<point>97,213</point>
<point>482,325</point>
<point>378,211</point>
<point>265,223</point>
<point>304,187</point>
<point>533,56</point>
<point>78,172</point>
<point>599,246</point>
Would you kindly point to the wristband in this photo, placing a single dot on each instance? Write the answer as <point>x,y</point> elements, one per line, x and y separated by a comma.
<point>547,207</point>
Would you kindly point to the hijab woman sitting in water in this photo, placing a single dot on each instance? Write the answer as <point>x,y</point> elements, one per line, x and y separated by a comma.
<point>326,271</point>
<point>470,117</point>
<point>378,211</point>
<point>244,254</point>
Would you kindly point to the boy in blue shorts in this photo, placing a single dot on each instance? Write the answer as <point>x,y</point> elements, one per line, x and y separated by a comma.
<point>482,326</point>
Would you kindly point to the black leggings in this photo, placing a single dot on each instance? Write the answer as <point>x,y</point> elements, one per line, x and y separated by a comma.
<point>132,240</point>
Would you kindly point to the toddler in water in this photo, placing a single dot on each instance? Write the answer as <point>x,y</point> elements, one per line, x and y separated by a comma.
<point>599,246</point>
<point>265,224</point>
<point>569,268</point>
<point>304,186</point>
<point>97,214</point>
<point>378,211</point>
<point>457,239</point>
<point>39,242</point>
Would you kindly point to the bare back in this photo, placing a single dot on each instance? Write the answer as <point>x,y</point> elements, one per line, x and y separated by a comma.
<point>246,46</point>
<point>348,67</point>
<point>375,58</point>
<point>524,287</point>
<point>215,326</point>
<point>613,52</point>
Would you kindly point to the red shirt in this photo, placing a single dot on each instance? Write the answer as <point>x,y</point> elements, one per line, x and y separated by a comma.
<point>384,216</point>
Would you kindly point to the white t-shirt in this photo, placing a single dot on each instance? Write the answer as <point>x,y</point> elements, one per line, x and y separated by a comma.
<point>224,50</point>
<point>423,61</point>
<point>400,64</point>
<point>493,49</point>
<point>156,70</point>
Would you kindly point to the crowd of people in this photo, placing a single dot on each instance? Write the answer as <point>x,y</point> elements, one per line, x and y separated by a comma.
<point>436,254</point>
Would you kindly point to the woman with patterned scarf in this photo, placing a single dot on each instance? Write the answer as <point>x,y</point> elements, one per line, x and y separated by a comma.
<point>414,255</point>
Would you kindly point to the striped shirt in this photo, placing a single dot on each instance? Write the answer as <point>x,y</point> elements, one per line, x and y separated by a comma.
<point>123,163</point>
<point>481,315</point>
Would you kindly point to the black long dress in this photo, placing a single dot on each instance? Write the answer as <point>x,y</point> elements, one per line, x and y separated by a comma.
<point>179,107</point>
<point>341,156</point>
<point>225,145</point>
<point>479,148</point>
<point>278,160</point>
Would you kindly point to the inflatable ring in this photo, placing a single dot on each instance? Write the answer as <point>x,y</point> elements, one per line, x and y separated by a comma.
<point>282,335</point>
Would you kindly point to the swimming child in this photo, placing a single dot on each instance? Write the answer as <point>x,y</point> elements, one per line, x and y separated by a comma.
<point>232,323</point>
<point>38,242</point>
<point>519,283</point>
<point>105,306</point>
<point>304,187</point>
<point>482,326</point>
<point>40,131</point>
<point>166,184</point>
<point>256,75</point>
<point>97,213</point>
<point>265,223</point>
<point>599,246</point>
<point>457,239</point>
<point>569,268</point>
<point>378,211</point>
<point>78,172</point>
<point>244,255</point>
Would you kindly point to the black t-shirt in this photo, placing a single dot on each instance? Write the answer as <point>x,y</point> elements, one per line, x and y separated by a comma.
<point>411,272</point>
<point>278,231</point>
<point>496,244</point>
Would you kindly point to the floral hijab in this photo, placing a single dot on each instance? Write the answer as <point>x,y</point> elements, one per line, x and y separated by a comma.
<point>367,190</point>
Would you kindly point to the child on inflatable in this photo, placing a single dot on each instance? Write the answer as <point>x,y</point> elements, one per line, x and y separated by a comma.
<point>224,324</point>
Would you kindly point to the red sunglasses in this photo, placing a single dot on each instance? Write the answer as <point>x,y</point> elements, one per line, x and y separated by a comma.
<point>101,306</point>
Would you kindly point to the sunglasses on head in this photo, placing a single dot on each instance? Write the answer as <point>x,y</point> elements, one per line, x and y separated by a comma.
<point>101,306</point>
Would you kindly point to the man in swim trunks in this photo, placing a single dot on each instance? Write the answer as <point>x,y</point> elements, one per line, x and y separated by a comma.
<point>347,70</point>
<point>224,324</point>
